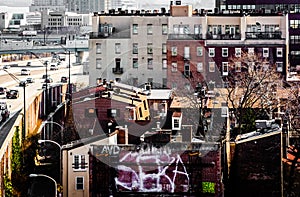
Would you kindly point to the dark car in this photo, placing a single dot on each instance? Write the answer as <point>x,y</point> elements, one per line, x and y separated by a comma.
<point>23,83</point>
<point>28,64</point>
<point>3,90</point>
<point>30,80</point>
<point>6,66</point>
<point>64,79</point>
<point>12,94</point>
<point>48,80</point>
<point>45,76</point>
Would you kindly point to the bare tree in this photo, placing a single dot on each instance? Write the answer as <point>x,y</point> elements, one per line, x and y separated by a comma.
<point>252,82</point>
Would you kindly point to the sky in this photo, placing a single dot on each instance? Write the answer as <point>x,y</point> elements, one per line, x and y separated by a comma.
<point>199,4</point>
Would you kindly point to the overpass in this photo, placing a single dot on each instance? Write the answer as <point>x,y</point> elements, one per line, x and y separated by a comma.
<point>25,46</point>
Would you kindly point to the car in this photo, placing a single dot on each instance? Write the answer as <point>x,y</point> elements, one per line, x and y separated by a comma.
<point>3,90</point>
<point>53,67</point>
<point>25,71</point>
<point>64,79</point>
<point>30,80</point>
<point>45,85</point>
<point>6,66</point>
<point>12,94</point>
<point>48,80</point>
<point>23,83</point>
<point>45,76</point>
<point>4,111</point>
<point>28,64</point>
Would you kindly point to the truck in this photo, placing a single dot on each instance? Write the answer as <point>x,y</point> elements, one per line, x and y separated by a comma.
<point>28,33</point>
<point>4,111</point>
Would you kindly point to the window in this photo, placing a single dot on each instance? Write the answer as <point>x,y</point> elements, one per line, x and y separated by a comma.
<point>79,162</point>
<point>135,49</point>
<point>197,29</point>
<point>174,51</point>
<point>112,113</point>
<point>251,51</point>
<point>164,64</point>
<point>141,112</point>
<point>79,182</point>
<point>199,67</point>
<point>199,51</point>
<point>174,67</point>
<point>224,52</point>
<point>150,63</point>
<point>145,104</point>
<point>187,69</point>
<point>98,48</point>
<point>164,48</point>
<point>118,63</point>
<point>135,63</point>
<point>211,66</point>
<point>98,63</point>
<point>135,28</point>
<point>186,54</point>
<point>118,48</point>
<point>225,68</point>
<point>265,52</point>
<point>279,52</point>
<point>164,29</point>
<point>211,52</point>
<point>238,66</point>
<point>174,85</point>
<point>149,29</point>
<point>149,48</point>
<point>238,52</point>
<point>279,66</point>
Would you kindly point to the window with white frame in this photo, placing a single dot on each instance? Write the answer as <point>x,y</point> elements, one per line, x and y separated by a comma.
<point>279,66</point>
<point>149,48</point>
<point>164,64</point>
<point>150,63</point>
<point>238,66</point>
<point>164,29</point>
<point>174,51</point>
<point>135,63</point>
<point>135,28</point>
<point>225,68</point>
<point>265,52</point>
<point>279,52</point>
<point>98,63</point>
<point>224,52</point>
<point>199,67</point>
<point>186,54</point>
<point>98,48</point>
<point>149,29</point>
<point>199,51</point>
<point>117,48</point>
<point>251,51</point>
<point>211,66</point>
<point>135,49</point>
<point>79,163</point>
<point>197,29</point>
<point>79,183</point>
<point>164,48</point>
<point>238,52</point>
<point>211,52</point>
<point>113,112</point>
<point>176,121</point>
<point>174,67</point>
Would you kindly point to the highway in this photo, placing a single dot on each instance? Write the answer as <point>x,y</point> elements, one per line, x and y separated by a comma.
<point>37,71</point>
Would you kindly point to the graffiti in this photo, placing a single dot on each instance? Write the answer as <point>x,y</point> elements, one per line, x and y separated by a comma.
<point>108,150</point>
<point>156,172</point>
<point>208,187</point>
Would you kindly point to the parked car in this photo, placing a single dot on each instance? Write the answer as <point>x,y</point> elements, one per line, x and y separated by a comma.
<point>64,79</point>
<point>6,66</point>
<point>23,83</point>
<point>12,94</point>
<point>48,80</point>
<point>3,90</point>
<point>25,71</point>
<point>28,64</point>
<point>30,80</point>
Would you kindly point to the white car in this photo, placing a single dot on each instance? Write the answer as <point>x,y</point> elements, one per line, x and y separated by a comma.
<point>25,71</point>
<point>53,67</point>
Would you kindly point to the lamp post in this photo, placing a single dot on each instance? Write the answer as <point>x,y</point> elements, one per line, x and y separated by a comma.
<point>52,122</point>
<point>43,175</point>
<point>24,101</point>
<point>60,149</point>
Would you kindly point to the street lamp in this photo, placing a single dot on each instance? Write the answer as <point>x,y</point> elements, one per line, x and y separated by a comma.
<point>24,101</point>
<point>52,122</point>
<point>43,175</point>
<point>60,149</point>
